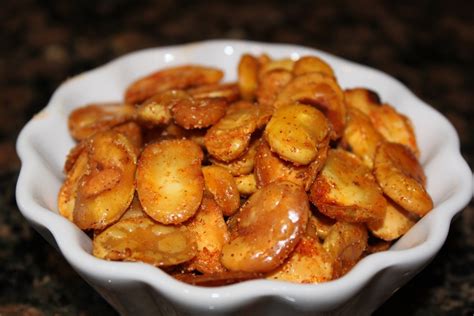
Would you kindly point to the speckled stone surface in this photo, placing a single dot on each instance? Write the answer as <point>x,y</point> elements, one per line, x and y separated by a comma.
<point>427,45</point>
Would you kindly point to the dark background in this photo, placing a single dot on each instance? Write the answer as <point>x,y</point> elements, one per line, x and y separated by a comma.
<point>428,45</point>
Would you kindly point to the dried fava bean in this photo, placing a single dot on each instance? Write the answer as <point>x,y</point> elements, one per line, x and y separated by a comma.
<point>246,184</point>
<point>227,91</point>
<point>181,77</point>
<point>277,64</point>
<point>346,190</point>
<point>198,113</point>
<point>308,263</point>
<point>345,243</point>
<point>216,279</point>
<point>242,165</point>
<point>229,138</point>
<point>394,126</point>
<point>270,85</point>
<point>297,133</point>
<point>134,210</point>
<point>360,136</point>
<point>269,168</point>
<point>318,90</point>
<point>106,190</point>
<point>211,233</point>
<point>319,225</point>
<point>133,132</point>
<point>377,246</point>
<point>308,64</point>
<point>90,119</point>
<point>169,180</point>
<point>173,131</point>
<point>156,110</point>
<point>248,76</point>
<point>73,155</point>
<point>395,223</point>
<point>141,239</point>
<point>362,99</point>
<point>263,59</point>
<point>401,177</point>
<point>220,183</point>
<point>67,193</point>
<point>267,228</point>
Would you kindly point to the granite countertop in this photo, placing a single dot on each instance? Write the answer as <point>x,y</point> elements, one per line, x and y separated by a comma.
<point>427,46</point>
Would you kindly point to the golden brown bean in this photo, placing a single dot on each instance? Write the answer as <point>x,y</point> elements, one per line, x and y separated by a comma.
<point>242,165</point>
<point>106,190</point>
<point>401,177</point>
<point>134,210</point>
<point>181,77</point>
<point>68,191</point>
<point>308,263</point>
<point>267,228</point>
<point>270,85</point>
<point>216,279</point>
<point>90,119</point>
<point>319,225</point>
<point>246,184</point>
<point>360,136</point>
<point>227,91</point>
<point>229,138</point>
<point>277,64</point>
<point>395,223</point>
<point>394,126</point>
<point>346,190</point>
<point>211,233</point>
<point>157,109</point>
<point>198,113</point>
<point>141,239</point>
<point>308,64</point>
<point>377,246</point>
<point>318,90</point>
<point>297,133</point>
<point>269,168</point>
<point>133,132</point>
<point>169,180</point>
<point>248,76</point>
<point>345,243</point>
<point>362,99</point>
<point>73,155</point>
<point>221,184</point>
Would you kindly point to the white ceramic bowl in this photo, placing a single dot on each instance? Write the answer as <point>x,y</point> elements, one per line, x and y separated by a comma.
<point>141,289</point>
